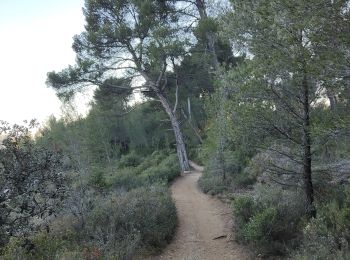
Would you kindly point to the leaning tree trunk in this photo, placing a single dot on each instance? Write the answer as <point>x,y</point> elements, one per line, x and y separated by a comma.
<point>180,144</point>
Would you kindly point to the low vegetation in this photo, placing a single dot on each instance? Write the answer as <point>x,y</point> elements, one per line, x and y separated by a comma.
<point>114,212</point>
<point>117,226</point>
<point>271,217</point>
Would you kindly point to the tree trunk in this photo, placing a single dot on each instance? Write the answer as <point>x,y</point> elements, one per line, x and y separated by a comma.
<point>210,36</point>
<point>180,144</point>
<point>347,81</point>
<point>210,41</point>
<point>332,100</point>
<point>306,144</point>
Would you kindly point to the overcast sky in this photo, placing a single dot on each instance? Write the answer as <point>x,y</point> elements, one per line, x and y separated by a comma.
<point>35,37</point>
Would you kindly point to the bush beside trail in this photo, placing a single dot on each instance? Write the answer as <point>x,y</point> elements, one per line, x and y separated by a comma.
<point>125,213</point>
<point>271,218</point>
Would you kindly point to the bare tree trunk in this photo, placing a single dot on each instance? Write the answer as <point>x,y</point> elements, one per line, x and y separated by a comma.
<point>347,80</point>
<point>332,100</point>
<point>306,144</point>
<point>195,129</point>
<point>180,144</point>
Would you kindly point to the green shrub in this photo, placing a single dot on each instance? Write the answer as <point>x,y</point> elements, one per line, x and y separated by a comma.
<point>153,160</point>
<point>243,180</point>
<point>97,178</point>
<point>124,179</point>
<point>14,250</point>
<point>261,226</point>
<point>117,225</point>
<point>270,221</point>
<point>171,161</point>
<point>336,219</point>
<point>157,168</point>
<point>147,163</point>
<point>213,181</point>
<point>212,184</point>
<point>328,235</point>
<point>167,170</point>
<point>41,246</point>
<point>155,175</point>
<point>244,208</point>
<point>319,243</point>
<point>233,165</point>
<point>130,160</point>
<point>143,218</point>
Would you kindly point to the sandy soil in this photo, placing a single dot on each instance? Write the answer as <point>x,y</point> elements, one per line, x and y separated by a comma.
<point>205,225</point>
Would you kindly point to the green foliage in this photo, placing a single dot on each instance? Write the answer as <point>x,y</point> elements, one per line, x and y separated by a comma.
<point>98,140</point>
<point>165,172</point>
<point>271,221</point>
<point>144,217</point>
<point>145,132</point>
<point>328,235</point>
<point>297,57</point>
<point>276,96</point>
<point>146,35</point>
<point>212,184</point>
<point>215,184</point>
<point>124,179</point>
<point>260,227</point>
<point>129,23</point>
<point>42,246</point>
<point>243,180</point>
<point>32,186</point>
<point>118,227</point>
<point>204,26</point>
<point>244,208</point>
<point>157,168</point>
<point>129,160</point>
<point>97,177</point>
<point>213,181</point>
<point>151,161</point>
<point>320,243</point>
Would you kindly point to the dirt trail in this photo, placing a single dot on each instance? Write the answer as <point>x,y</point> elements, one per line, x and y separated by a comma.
<point>205,225</point>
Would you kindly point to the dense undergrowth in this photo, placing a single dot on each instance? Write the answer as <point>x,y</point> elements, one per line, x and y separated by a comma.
<point>271,218</point>
<point>115,213</point>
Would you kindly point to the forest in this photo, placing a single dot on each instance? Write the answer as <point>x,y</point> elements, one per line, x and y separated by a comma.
<point>255,91</point>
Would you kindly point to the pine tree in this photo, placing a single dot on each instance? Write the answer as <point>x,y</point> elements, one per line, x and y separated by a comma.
<point>276,91</point>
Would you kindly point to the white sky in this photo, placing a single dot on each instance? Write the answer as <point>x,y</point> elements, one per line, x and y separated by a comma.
<point>35,38</point>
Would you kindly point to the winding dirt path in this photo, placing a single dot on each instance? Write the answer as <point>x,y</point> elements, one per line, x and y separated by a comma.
<point>205,225</point>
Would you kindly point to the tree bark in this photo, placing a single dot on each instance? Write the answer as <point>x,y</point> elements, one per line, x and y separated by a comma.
<point>332,100</point>
<point>180,144</point>
<point>306,144</point>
